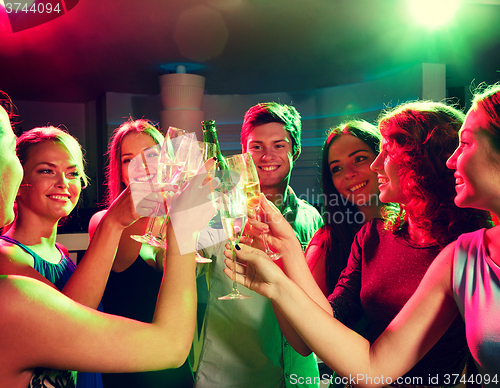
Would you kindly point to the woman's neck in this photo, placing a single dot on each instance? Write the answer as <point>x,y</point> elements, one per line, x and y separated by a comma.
<point>371,211</point>
<point>33,231</point>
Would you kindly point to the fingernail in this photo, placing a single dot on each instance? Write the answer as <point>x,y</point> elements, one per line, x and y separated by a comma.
<point>237,247</point>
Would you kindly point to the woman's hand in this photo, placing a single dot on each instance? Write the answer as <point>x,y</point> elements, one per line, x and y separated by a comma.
<point>193,208</point>
<point>276,229</point>
<point>254,270</point>
<point>122,210</point>
<point>136,201</point>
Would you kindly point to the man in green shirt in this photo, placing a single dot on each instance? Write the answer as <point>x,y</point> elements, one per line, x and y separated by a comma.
<point>243,343</point>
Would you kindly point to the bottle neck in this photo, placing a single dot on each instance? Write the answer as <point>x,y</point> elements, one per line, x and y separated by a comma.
<point>210,136</point>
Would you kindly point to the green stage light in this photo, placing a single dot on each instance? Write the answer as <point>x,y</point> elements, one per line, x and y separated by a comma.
<point>433,13</point>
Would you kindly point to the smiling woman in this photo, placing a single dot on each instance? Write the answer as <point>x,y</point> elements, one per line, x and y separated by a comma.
<point>52,181</point>
<point>351,198</point>
<point>389,258</point>
<point>53,178</point>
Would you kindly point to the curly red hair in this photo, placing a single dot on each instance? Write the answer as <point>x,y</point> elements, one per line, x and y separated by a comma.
<point>426,134</point>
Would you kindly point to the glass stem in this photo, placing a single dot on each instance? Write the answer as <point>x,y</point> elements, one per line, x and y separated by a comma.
<point>235,283</point>
<point>151,222</point>
<point>163,227</point>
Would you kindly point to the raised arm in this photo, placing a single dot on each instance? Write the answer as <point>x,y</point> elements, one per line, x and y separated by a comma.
<point>80,338</point>
<point>294,263</point>
<point>418,326</point>
<point>68,335</point>
<point>315,259</point>
<point>283,239</point>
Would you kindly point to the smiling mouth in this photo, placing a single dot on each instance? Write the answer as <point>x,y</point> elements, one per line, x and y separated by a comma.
<point>382,180</point>
<point>459,181</point>
<point>269,168</point>
<point>145,178</point>
<point>358,186</point>
<point>59,197</point>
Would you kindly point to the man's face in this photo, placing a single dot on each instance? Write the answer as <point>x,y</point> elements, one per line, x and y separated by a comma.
<point>271,148</point>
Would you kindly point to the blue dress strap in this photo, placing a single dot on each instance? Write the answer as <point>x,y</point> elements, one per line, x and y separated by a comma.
<point>58,274</point>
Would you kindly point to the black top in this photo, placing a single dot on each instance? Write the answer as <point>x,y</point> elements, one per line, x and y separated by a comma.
<point>132,294</point>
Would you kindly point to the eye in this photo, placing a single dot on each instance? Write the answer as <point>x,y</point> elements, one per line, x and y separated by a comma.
<point>360,158</point>
<point>74,174</point>
<point>125,161</point>
<point>256,148</point>
<point>280,146</point>
<point>335,169</point>
<point>386,154</point>
<point>45,171</point>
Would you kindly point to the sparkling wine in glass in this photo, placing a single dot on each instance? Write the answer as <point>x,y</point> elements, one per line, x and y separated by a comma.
<point>233,217</point>
<point>243,165</point>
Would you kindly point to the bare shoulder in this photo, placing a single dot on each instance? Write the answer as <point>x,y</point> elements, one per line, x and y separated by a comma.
<point>13,312</point>
<point>18,293</point>
<point>12,256</point>
<point>95,220</point>
<point>15,261</point>
<point>15,289</point>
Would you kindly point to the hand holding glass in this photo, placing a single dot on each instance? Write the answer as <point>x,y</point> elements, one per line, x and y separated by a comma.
<point>171,171</point>
<point>243,165</point>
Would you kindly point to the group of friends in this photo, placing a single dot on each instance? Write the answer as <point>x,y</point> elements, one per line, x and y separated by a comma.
<point>413,267</point>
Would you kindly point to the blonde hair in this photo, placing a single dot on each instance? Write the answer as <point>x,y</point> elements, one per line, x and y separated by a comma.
<point>30,139</point>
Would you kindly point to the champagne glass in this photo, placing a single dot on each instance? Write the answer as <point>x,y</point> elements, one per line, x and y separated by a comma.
<point>189,157</point>
<point>177,166</point>
<point>243,165</point>
<point>168,170</point>
<point>144,168</point>
<point>191,154</point>
<point>233,216</point>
